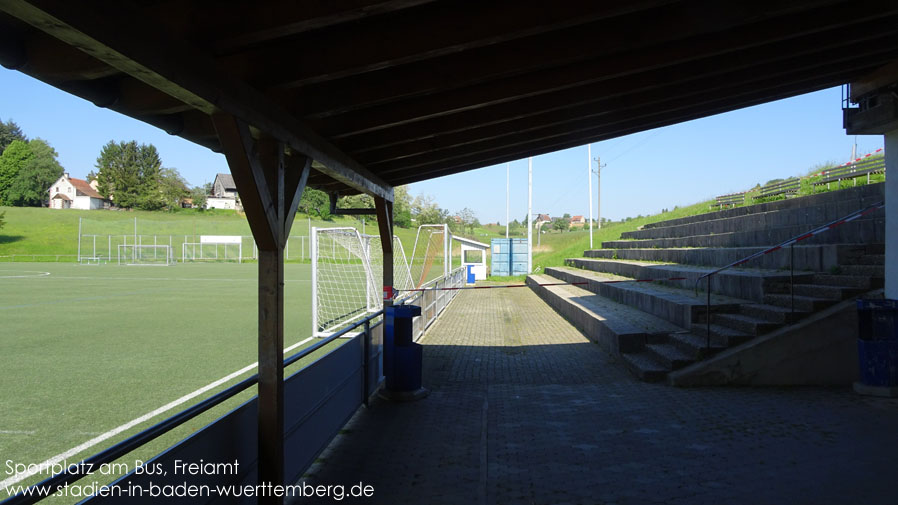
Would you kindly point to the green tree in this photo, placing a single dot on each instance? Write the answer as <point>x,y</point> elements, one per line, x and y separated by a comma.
<point>402,207</point>
<point>560,224</point>
<point>172,187</point>
<point>198,195</point>
<point>129,174</point>
<point>29,188</point>
<point>315,201</point>
<point>13,159</point>
<point>9,132</point>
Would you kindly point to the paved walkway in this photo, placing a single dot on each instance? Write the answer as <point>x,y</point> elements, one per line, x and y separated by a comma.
<point>525,410</point>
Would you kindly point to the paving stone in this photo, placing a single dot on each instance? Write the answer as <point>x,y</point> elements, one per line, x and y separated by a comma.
<point>524,409</point>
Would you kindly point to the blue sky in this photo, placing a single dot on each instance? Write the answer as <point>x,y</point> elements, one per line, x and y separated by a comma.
<point>643,173</point>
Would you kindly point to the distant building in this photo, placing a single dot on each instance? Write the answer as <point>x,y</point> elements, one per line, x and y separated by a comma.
<point>578,222</point>
<point>224,193</point>
<point>70,193</point>
<point>542,218</point>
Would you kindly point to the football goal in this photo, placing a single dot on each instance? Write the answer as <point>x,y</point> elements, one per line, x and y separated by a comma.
<point>144,255</point>
<point>211,248</point>
<point>347,276</point>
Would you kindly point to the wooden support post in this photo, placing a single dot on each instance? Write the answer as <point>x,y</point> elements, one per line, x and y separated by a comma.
<point>384,209</point>
<point>270,185</point>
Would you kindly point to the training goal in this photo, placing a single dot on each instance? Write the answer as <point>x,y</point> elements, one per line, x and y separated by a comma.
<point>214,248</point>
<point>144,255</point>
<point>347,276</point>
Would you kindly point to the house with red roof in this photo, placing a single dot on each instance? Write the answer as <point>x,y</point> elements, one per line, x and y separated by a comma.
<point>70,193</point>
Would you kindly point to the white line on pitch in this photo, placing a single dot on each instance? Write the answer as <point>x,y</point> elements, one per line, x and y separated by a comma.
<point>253,279</point>
<point>17,432</point>
<point>130,424</point>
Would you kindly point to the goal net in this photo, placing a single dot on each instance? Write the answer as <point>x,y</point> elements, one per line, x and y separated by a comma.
<point>431,254</point>
<point>211,248</point>
<point>347,276</point>
<point>137,255</point>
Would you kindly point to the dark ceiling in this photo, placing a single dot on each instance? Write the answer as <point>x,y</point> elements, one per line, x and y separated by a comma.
<point>405,90</point>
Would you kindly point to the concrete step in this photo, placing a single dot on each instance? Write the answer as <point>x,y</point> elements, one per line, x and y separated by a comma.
<point>872,271</point>
<point>696,346</point>
<point>771,313</point>
<point>863,230</point>
<point>644,366</point>
<point>872,259</point>
<point>669,355</point>
<point>747,324</point>
<point>616,327</point>
<point>808,216</point>
<point>721,335</point>
<point>677,306</point>
<point>816,258</point>
<point>749,284</point>
<point>855,197</point>
<point>836,293</point>
<point>802,303</point>
<point>852,281</point>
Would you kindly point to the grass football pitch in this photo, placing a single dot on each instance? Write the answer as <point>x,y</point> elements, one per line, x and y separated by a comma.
<point>86,349</point>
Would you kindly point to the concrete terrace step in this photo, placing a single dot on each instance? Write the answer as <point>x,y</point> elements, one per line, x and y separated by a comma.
<point>743,283</point>
<point>852,232</point>
<point>669,355</point>
<point>854,196</point>
<point>811,217</point>
<point>852,281</point>
<point>644,366</point>
<point>771,313</point>
<point>694,345</point>
<point>827,292</point>
<point>802,303</point>
<point>616,327</point>
<point>872,259</point>
<point>678,306</point>
<point>874,271</point>
<point>749,325</point>
<point>818,258</point>
<point>721,335</point>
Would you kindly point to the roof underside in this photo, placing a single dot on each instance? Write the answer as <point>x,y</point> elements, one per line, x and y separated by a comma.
<point>388,92</point>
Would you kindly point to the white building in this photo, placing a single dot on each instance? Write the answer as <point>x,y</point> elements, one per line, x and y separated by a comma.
<point>224,193</point>
<point>70,193</point>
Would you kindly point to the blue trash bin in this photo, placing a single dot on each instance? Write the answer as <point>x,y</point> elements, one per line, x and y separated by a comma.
<point>877,345</point>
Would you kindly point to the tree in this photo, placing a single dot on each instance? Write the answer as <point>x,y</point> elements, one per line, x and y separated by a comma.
<point>560,224</point>
<point>29,188</point>
<point>14,157</point>
<point>314,200</point>
<point>426,211</point>
<point>198,195</point>
<point>566,216</point>
<point>9,132</point>
<point>402,207</point>
<point>172,187</point>
<point>129,175</point>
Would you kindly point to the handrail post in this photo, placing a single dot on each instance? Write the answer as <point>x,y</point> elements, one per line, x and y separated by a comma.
<point>792,279</point>
<point>366,359</point>
<point>708,315</point>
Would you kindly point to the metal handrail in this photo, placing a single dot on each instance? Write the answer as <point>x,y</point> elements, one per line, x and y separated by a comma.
<point>135,441</point>
<point>787,243</point>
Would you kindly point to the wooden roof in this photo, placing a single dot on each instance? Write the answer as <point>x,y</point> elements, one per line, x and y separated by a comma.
<point>389,92</point>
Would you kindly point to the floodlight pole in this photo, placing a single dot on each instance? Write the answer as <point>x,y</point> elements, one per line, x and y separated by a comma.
<point>530,215</point>
<point>599,192</point>
<point>507,185</point>
<point>589,176</point>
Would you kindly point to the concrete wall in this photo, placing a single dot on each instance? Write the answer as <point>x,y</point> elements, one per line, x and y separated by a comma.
<point>221,203</point>
<point>891,190</point>
<point>821,350</point>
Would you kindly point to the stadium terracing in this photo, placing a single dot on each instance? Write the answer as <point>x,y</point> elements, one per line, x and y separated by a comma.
<point>360,96</point>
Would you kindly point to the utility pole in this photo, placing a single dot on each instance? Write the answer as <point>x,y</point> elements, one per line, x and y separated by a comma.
<point>507,184</point>
<point>530,215</point>
<point>589,176</point>
<point>599,190</point>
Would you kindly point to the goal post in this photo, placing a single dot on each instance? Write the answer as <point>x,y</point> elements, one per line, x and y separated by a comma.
<point>214,248</point>
<point>144,255</point>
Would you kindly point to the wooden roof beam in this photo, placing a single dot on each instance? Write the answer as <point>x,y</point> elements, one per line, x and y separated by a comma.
<point>124,40</point>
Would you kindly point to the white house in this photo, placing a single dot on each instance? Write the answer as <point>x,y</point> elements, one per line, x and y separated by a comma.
<point>224,193</point>
<point>70,193</point>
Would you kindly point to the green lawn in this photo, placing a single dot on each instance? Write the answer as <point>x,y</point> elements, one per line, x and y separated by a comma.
<point>88,348</point>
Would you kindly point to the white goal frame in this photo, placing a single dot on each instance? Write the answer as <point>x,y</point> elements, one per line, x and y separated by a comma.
<point>213,241</point>
<point>131,260</point>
